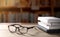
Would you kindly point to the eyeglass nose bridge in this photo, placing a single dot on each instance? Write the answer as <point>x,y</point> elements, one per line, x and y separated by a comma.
<point>17,28</point>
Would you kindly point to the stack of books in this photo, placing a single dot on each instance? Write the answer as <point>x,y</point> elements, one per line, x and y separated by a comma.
<point>49,23</point>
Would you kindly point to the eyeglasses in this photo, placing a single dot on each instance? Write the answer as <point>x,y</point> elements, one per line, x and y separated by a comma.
<point>17,28</point>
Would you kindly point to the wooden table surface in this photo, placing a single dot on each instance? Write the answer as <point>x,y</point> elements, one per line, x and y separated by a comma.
<point>4,32</point>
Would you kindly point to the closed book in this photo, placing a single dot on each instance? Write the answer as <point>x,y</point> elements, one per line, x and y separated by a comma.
<point>35,5</point>
<point>49,19</point>
<point>18,17</point>
<point>25,17</point>
<point>48,27</point>
<point>11,17</point>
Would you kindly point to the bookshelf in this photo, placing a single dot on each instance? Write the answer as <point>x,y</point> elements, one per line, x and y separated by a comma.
<point>57,3</point>
<point>57,8</point>
<point>27,10</point>
<point>44,3</point>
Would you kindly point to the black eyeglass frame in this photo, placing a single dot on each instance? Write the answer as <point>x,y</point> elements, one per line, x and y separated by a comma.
<point>17,28</point>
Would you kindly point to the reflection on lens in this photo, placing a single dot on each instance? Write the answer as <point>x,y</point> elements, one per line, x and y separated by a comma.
<point>12,29</point>
<point>23,30</point>
<point>17,25</point>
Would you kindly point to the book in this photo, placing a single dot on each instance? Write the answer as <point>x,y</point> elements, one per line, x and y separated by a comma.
<point>32,18</point>
<point>11,17</point>
<point>18,17</point>
<point>35,5</point>
<point>44,2</point>
<point>25,17</point>
<point>57,2</point>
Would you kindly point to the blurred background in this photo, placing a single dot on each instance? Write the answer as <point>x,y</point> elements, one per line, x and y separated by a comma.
<point>27,11</point>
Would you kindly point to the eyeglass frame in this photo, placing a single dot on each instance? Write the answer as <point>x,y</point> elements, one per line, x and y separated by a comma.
<point>19,29</point>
